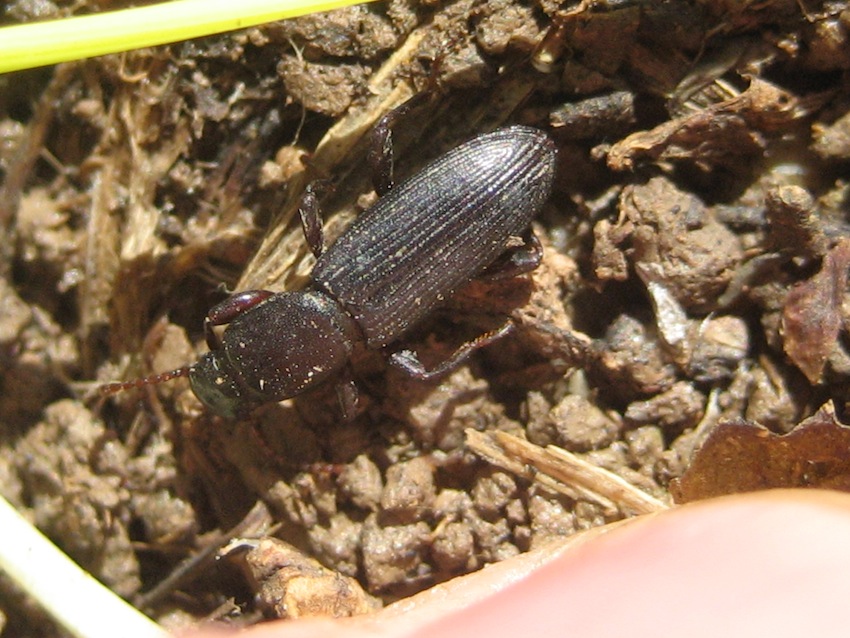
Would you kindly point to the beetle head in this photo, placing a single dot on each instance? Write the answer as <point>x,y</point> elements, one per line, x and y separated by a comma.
<point>281,347</point>
<point>214,384</point>
<point>287,344</point>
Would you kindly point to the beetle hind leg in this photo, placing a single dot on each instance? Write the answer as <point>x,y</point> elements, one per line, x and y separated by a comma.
<point>408,361</point>
<point>516,260</point>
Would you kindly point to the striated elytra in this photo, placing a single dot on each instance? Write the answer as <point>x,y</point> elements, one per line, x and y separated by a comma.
<point>399,260</point>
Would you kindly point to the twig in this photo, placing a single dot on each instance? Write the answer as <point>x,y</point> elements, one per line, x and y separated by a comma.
<point>562,471</point>
<point>256,522</point>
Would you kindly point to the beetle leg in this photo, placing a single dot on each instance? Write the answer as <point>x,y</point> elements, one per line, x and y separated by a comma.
<point>409,362</point>
<point>226,311</point>
<point>311,220</point>
<point>380,156</point>
<point>516,260</point>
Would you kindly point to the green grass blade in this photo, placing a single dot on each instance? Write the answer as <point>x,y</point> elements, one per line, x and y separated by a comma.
<point>40,43</point>
<point>70,595</point>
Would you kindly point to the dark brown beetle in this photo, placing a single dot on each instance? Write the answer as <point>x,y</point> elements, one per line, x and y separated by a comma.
<point>400,259</point>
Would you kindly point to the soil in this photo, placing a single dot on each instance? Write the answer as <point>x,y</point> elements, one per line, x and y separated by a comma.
<point>694,275</point>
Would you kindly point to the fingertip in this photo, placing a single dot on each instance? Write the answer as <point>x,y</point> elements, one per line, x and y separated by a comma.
<point>757,564</point>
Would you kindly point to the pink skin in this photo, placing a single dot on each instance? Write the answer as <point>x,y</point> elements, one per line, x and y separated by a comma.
<point>770,564</point>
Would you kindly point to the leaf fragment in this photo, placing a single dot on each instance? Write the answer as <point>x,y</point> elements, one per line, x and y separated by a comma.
<point>811,318</point>
<point>744,456</point>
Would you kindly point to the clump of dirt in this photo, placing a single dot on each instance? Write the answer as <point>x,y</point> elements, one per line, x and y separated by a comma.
<point>694,276</point>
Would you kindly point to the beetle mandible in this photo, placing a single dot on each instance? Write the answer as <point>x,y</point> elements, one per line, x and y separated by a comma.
<point>419,242</point>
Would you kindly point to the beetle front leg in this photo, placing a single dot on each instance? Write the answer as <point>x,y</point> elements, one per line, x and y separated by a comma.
<point>226,311</point>
<point>409,362</point>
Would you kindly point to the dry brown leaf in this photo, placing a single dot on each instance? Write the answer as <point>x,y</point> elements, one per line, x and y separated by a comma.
<point>811,318</point>
<point>743,456</point>
<point>725,133</point>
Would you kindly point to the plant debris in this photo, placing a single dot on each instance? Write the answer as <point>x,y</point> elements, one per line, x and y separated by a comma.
<point>812,316</point>
<point>291,585</point>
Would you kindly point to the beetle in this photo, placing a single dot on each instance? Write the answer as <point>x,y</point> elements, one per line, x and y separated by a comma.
<point>398,261</point>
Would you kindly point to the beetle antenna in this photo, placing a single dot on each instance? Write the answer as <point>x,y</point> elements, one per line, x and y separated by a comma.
<point>154,379</point>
